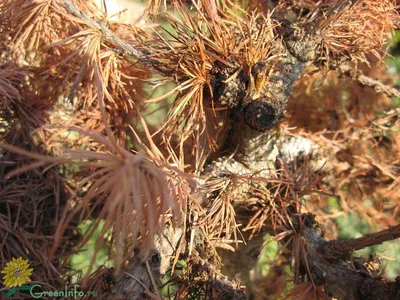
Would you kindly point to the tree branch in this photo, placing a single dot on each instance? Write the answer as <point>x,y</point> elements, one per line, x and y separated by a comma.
<point>368,81</point>
<point>372,239</point>
<point>378,86</point>
<point>340,278</point>
<point>125,47</point>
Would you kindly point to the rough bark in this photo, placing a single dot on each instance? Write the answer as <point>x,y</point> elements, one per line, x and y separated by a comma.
<point>340,277</point>
<point>142,274</point>
<point>135,281</point>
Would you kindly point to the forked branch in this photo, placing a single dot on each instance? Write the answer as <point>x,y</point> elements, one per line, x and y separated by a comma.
<point>340,276</point>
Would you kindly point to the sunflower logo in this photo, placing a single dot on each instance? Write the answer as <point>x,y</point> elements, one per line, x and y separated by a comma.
<point>16,272</point>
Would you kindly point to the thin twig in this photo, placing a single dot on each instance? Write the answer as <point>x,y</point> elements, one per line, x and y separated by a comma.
<point>378,86</point>
<point>368,81</point>
<point>153,282</point>
<point>368,240</point>
<point>154,296</point>
<point>108,34</point>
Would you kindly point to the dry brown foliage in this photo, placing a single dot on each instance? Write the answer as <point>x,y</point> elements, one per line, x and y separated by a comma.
<point>81,136</point>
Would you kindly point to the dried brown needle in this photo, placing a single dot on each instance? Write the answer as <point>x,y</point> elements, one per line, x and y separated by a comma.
<point>135,194</point>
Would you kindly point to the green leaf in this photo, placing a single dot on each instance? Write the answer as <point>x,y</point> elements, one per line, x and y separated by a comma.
<point>11,292</point>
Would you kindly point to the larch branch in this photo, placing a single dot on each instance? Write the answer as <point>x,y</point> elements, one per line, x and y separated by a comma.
<point>107,33</point>
<point>364,80</point>
<point>368,240</point>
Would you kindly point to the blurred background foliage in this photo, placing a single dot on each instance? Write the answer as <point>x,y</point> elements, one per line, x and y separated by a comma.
<point>80,261</point>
